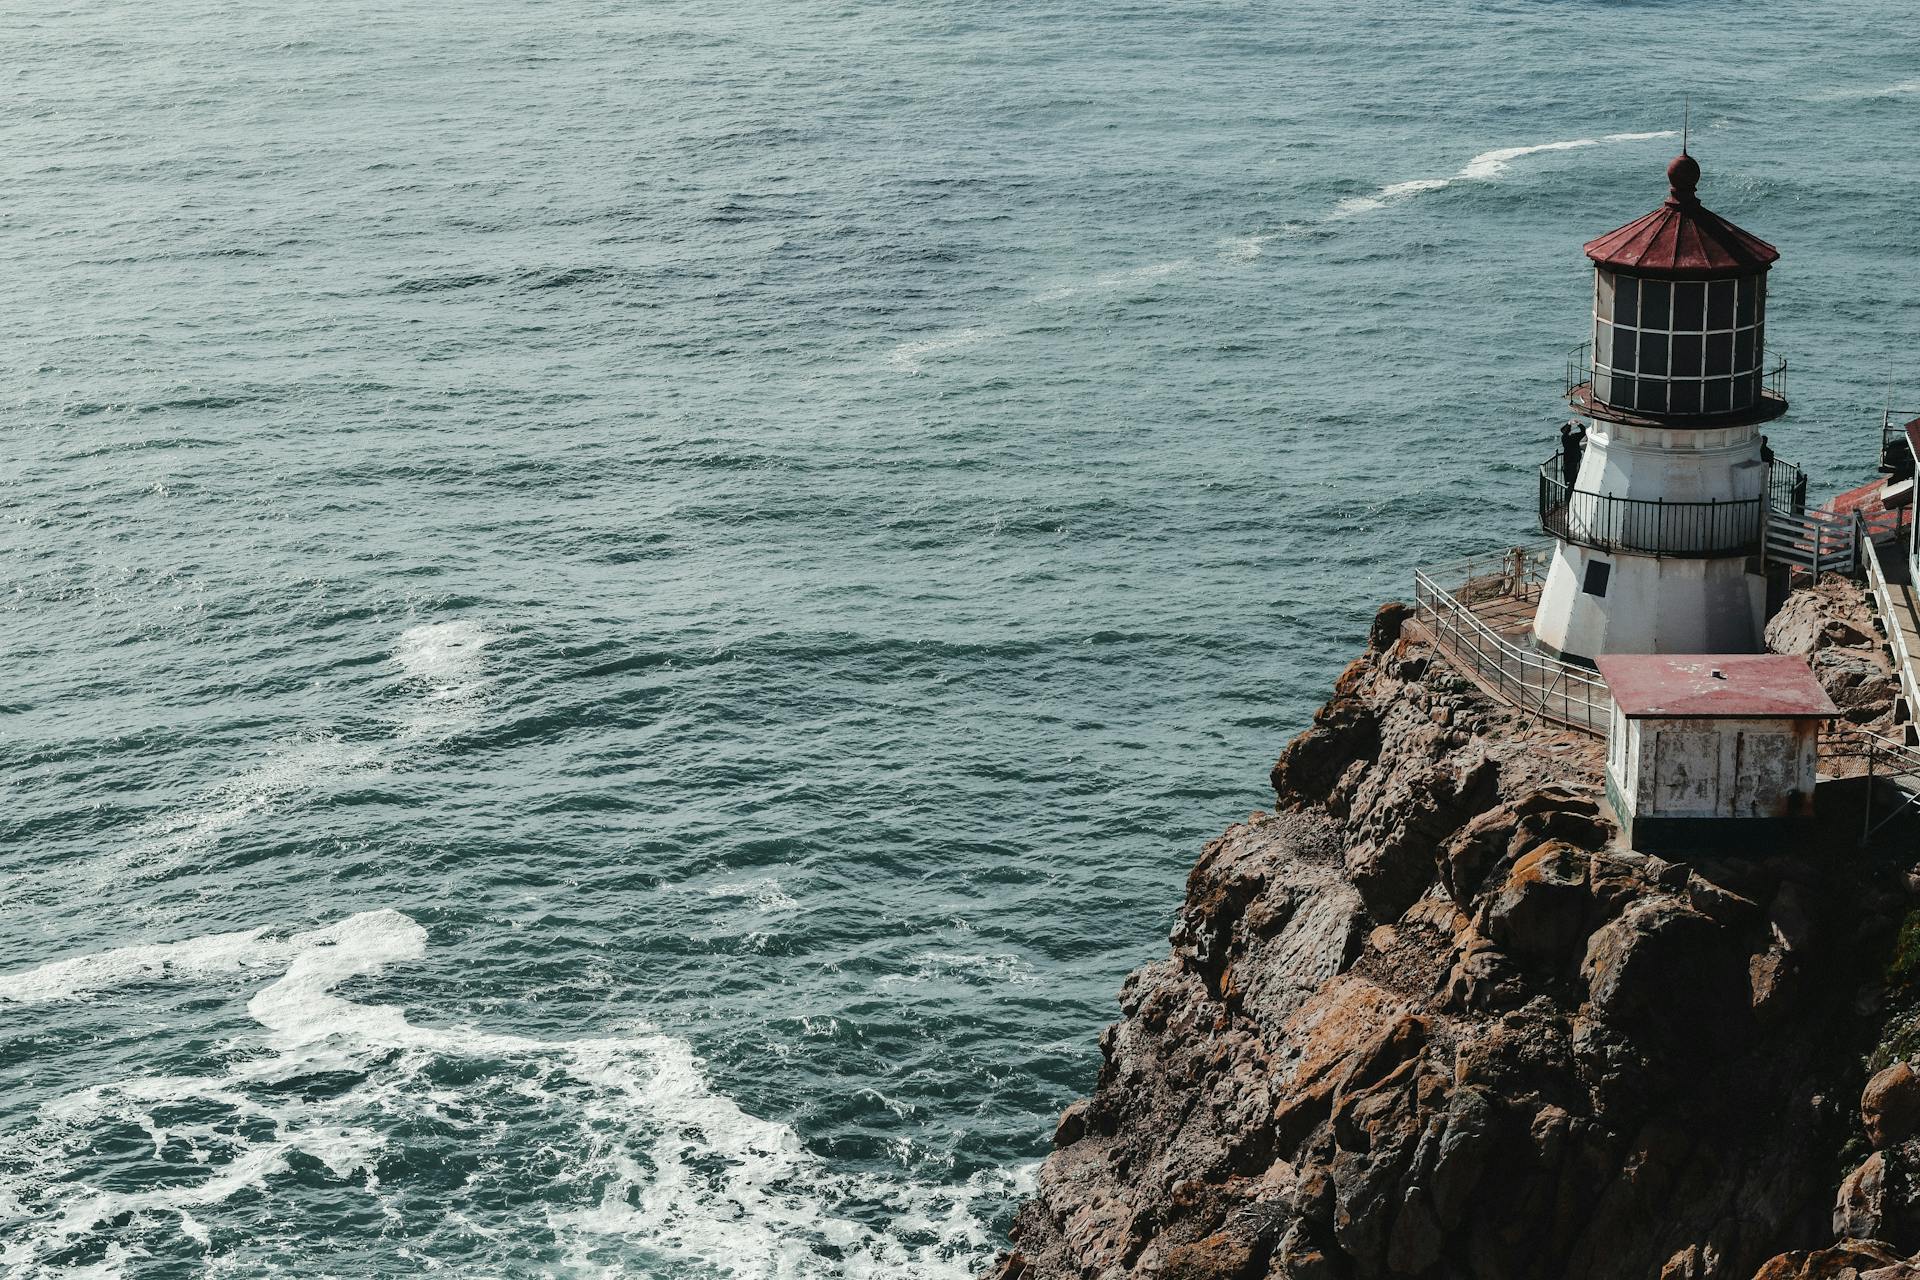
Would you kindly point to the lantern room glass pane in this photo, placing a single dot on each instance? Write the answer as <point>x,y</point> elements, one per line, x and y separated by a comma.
<point>1603,295</point>
<point>1655,305</point>
<point>1603,345</point>
<point>1743,350</point>
<point>1719,395</point>
<point>1653,352</point>
<point>1622,393</point>
<point>1689,306</point>
<point>1686,355</point>
<point>1719,354</point>
<point>1748,288</point>
<point>1626,300</point>
<point>1743,391</point>
<point>1686,397</point>
<point>1623,351</point>
<point>1720,304</point>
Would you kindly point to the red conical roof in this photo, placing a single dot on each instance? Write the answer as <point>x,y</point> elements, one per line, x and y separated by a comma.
<point>1682,237</point>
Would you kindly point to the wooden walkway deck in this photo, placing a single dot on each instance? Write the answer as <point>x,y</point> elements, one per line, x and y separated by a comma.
<point>1483,628</point>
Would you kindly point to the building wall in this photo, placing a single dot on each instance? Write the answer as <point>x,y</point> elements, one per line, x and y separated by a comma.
<point>1657,604</point>
<point>1653,605</point>
<point>1714,768</point>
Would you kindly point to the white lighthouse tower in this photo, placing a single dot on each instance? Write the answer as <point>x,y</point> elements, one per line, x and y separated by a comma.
<point>1658,499</point>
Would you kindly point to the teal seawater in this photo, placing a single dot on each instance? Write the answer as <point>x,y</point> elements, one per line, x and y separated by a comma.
<point>620,619</point>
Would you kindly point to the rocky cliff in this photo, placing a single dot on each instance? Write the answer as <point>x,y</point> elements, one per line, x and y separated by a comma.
<point>1427,1019</point>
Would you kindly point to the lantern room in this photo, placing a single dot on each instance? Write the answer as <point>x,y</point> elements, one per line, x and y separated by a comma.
<point>1679,315</point>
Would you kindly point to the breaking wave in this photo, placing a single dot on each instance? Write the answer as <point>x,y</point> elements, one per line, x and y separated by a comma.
<point>641,1160</point>
<point>1485,167</point>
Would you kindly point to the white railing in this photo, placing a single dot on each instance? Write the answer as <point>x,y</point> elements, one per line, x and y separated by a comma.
<point>1523,678</point>
<point>1885,605</point>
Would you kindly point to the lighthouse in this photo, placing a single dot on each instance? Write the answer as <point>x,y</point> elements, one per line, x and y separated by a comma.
<point>1658,498</point>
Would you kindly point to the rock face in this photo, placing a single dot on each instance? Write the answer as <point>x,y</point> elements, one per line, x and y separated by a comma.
<point>1830,625</point>
<point>1429,1020</point>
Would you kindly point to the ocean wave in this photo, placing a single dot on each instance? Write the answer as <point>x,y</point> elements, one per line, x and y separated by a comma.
<point>1485,167</point>
<point>446,662</point>
<point>163,844</point>
<point>908,357</point>
<point>650,1164</point>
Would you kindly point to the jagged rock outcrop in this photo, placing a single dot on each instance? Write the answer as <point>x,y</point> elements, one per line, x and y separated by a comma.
<point>1829,624</point>
<point>1429,1020</point>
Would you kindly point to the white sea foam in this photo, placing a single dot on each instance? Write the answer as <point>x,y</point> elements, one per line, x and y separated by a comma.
<point>1247,248</point>
<point>1899,89</point>
<point>165,843</point>
<point>123,966</point>
<point>764,894</point>
<point>908,357</point>
<point>444,654</point>
<point>1485,167</point>
<point>678,1173</point>
<point>446,662</point>
<point>965,966</point>
<point>1111,280</point>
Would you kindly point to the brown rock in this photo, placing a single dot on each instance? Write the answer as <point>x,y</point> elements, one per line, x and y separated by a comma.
<point>1860,1208</point>
<point>1831,613</point>
<point>1844,1261</point>
<point>1540,912</point>
<point>1221,1256</point>
<point>1345,731</point>
<point>1890,1106</point>
<point>1667,974</point>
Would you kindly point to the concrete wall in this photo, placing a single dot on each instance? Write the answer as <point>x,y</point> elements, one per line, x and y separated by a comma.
<point>1658,604</point>
<point>1712,768</point>
<point>1653,605</point>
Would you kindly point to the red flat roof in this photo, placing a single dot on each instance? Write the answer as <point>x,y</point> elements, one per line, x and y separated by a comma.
<point>1685,685</point>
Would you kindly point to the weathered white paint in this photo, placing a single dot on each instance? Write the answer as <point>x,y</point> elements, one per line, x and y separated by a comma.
<point>1653,605</point>
<point>1658,604</point>
<point>1695,768</point>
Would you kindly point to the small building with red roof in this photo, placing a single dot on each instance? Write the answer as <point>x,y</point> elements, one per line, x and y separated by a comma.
<point>1716,749</point>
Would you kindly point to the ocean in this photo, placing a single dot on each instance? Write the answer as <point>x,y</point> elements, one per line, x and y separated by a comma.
<point>621,619</point>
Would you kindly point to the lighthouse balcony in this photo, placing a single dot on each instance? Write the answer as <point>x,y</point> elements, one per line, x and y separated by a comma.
<point>1711,389</point>
<point>1640,526</point>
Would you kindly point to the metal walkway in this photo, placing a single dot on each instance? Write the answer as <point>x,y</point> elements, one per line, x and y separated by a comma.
<point>1893,600</point>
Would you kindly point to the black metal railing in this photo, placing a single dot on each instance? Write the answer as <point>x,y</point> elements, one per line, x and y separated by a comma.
<point>1895,457</point>
<point>1772,378</point>
<point>1734,527</point>
<point>1786,487</point>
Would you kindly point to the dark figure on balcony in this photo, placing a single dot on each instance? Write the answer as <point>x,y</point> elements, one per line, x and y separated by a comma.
<point>1573,443</point>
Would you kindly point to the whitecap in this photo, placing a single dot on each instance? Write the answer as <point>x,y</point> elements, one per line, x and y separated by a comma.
<point>764,894</point>
<point>123,966</point>
<point>446,663</point>
<point>1485,167</point>
<point>165,843</point>
<point>908,356</point>
<point>682,1173</point>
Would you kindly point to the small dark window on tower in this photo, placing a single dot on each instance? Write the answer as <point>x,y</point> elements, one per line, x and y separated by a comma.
<point>1596,581</point>
<point>1653,352</point>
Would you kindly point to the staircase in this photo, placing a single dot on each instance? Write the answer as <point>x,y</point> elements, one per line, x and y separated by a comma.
<point>1816,542</point>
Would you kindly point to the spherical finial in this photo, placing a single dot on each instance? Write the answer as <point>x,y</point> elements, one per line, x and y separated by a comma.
<point>1683,175</point>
